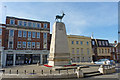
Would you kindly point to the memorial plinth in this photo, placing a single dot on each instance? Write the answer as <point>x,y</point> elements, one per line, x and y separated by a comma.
<point>59,52</point>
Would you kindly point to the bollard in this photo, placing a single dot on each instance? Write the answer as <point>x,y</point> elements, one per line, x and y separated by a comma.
<point>59,71</point>
<point>42,71</point>
<point>25,71</point>
<point>17,71</point>
<point>10,72</point>
<point>33,71</point>
<point>50,71</point>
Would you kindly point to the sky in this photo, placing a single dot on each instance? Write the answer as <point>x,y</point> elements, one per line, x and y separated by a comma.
<point>81,18</point>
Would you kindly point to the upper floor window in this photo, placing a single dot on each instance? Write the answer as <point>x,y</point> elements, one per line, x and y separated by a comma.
<point>24,44</point>
<point>102,50</point>
<point>33,34</point>
<point>11,32</point>
<point>106,43</point>
<point>45,25</point>
<point>0,31</point>
<point>81,50</point>
<point>28,44</point>
<point>103,43</point>
<point>29,34</point>
<point>24,33</point>
<point>20,23</point>
<point>88,51</point>
<point>10,44</point>
<point>105,50</point>
<point>29,24</point>
<point>77,42</point>
<point>12,21</point>
<point>25,23</point>
<point>33,44</point>
<point>99,42</point>
<point>73,50</point>
<point>38,34</point>
<point>72,42</point>
<point>81,42</point>
<point>87,42</point>
<point>38,44</point>
<point>93,42</point>
<point>38,25</point>
<point>45,35</point>
<point>77,50</point>
<point>99,50</point>
<point>34,24</point>
<point>19,33</point>
<point>108,50</point>
<point>19,44</point>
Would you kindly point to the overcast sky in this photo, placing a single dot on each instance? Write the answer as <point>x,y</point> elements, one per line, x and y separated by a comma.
<point>82,18</point>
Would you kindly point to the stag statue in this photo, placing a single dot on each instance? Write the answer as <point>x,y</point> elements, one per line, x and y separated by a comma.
<point>59,17</point>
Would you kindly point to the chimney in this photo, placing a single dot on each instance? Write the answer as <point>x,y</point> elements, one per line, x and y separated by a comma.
<point>115,41</point>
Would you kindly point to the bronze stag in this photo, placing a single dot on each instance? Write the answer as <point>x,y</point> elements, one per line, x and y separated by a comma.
<point>59,17</point>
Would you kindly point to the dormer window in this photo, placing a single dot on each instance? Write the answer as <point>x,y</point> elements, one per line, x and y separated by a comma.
<point>38,25</point>
<point>25,23</point>
<point>12,21</point>
<point>29,24</point>
<point>45,25</point>
<point>34,24</point>
<point>20,23</point>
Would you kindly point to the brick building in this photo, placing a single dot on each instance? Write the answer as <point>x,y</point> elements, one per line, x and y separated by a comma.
<point>101,49</point>
<point>23,41</point>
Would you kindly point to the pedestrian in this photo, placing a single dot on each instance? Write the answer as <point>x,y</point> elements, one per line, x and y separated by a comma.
<point>29,60</point>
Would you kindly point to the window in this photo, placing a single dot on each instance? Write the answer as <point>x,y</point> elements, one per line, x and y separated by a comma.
<point>72,50</point>
<point>81,42</point>
<point>12,21</point>
<point>82,59</point>
<point>81,50</point>
<point>10,44</point>
<point>24,33</point>
<point>99,50</point>
<point>34,24</point>
<point>19,44</point>
<point>38,44</point>
<point>19,33</point>
<point>28,44</point>
<point>45,35</point>
<point>25,23</point>
<point>99,42</point>
<point>20,23</point>
<point>33,44</point>
<point>105,50</point>
<point>77,50</point>
<point>93,42</point>
<point>45,25</point>
<point>38,34</point>
<point>103,43</point>
<point>11,33</point>
<point>38,25</point>
<point>33,34</point>
<point>78,59</point>
<point>77,42</point>
<point>89,59</point>
<point>88,51</point>
<point>29,34</point>
<point>72,42</point>
<point>102,50</point>
<point>0,31</point>
<point>73,60</point>
<point>24,44</point>
<point>106,43</point>
<point>29,24</point>
<point>87,42</point>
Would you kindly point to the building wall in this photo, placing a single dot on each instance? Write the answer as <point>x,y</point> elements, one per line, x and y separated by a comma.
<point>80,48</point>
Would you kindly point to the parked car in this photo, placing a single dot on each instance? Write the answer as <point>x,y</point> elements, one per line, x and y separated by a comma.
<point>104,61</point>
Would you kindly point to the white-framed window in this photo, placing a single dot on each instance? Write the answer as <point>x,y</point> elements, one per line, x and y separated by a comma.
<point>45,25</point>
<point>81,42</point>
<point>33,34</point>
<point>105,50</point>
<point>24,44</point>
<point>34,24</point>
<point>12,21</point>
<point>19,44</point>
<point>77,50</point>
<point>38,34</point>
<point>93,42</point>
<point>19,33</point>
<point>99,50</point>
<point>77,42</point>
<point>24,33</point>
<point>38,25</point>
<point>20,23</point>
<point>72,42</point>
<point>38,44</point>
<point>83,59</point>
<point>103,43</point>
<point>87,43</point>
<point>45,45</point>
<point>73,51</point>
<point>88,52</point>
<point>99,42</point>
<point>10,44</point>
<point>78,59</point>
<point>0,31</point>
<point>106,43</point>
<point>29,34</point>
<point>81,50</point>
<point>29,24</point>
<point>33,44</point>
<point>45,35</point>
<point>11,32</point>
<point>102,50</point>
<point>25,23</point>
<point>28,44</point>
